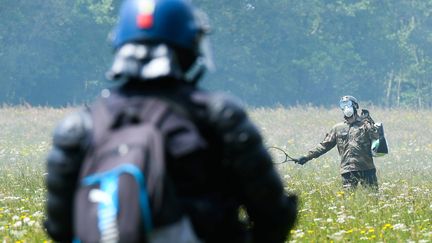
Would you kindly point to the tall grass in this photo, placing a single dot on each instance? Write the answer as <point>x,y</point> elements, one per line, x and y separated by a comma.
<point>24,141</point>
<point>400,212</point>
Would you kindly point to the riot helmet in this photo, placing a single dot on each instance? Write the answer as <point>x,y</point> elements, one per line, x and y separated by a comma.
<point>348,105</point>
<point>160,38</point>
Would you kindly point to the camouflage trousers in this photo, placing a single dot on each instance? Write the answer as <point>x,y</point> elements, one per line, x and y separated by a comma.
<point>367,178</point>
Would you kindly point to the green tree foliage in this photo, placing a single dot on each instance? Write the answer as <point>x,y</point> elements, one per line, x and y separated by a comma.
<point>314,51</point>
<point>50,51</point>
<point>266,51</point>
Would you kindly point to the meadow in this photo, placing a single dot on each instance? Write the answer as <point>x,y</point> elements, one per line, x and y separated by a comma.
<point>400,212</point>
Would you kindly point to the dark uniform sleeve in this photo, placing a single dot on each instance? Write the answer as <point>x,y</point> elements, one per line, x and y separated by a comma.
<point>63,165</point>
<point>271,211</point>
<point>328,143</point>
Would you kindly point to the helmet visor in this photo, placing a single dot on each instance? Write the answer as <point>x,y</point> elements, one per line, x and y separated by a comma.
<point>204,46</point>
<point>345,103</point>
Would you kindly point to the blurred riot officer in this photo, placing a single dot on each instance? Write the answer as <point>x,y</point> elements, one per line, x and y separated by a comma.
<point>215,155</point>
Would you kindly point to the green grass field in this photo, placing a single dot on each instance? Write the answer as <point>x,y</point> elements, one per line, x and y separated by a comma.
<point>400,212</point>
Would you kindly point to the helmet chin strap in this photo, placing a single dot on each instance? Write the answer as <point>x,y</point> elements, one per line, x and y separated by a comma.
<point>204,61</point>
<point>196,71</point>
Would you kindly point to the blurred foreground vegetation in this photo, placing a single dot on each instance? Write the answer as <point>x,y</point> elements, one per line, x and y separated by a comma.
<point>399,213</point>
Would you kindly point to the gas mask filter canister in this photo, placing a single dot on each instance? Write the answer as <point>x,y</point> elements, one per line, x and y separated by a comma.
<point>348,111</point>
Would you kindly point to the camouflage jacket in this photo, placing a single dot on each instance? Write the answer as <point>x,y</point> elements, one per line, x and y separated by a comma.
<point>353,143</point>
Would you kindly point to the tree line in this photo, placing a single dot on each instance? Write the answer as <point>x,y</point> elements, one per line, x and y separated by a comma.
<point>267,52</point>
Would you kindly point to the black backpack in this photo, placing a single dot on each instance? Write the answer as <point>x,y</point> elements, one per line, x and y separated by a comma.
<point>122,179</point>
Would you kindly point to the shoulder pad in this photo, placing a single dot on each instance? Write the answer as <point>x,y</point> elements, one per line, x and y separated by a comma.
<point>229,119</point>
<point>222,110</point>
<point>73,130</point>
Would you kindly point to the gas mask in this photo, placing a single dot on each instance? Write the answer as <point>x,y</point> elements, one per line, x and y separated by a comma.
<point>347,107</point>
<point>145,62</point>
<point>348,111</point>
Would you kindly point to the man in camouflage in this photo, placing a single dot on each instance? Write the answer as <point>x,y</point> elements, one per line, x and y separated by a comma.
<point>353,139</point>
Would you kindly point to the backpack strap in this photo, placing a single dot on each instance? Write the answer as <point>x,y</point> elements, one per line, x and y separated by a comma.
<point>113,113</point>
<point>154,111</point>
<point>108,209</point>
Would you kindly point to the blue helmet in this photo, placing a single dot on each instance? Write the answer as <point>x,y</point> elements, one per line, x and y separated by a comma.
<point>160,38</point>
<point>173,22</point>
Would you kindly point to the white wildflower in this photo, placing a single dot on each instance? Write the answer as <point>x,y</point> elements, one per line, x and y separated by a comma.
<point>338,235</point>
<point>38,214</point>
<point>298,234</point>
<point>341,219</point>
<point>399,227</point>
<point>386,206</point>
<point>18,233</point>
<point>373,210</point>
<point>12,198</point>
<point>17,224</point>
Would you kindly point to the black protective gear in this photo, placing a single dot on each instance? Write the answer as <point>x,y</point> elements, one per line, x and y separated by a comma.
<point>231,122</point>
<point>252,169</point>
<point>216,160</point>
<point>221,166</point>
<point>63,165</point>
<point>72,132</point>
<point>301,160</point>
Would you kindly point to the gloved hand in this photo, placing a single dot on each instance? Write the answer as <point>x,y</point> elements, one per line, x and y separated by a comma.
<point>365,115</point>
<point>302,160</point>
